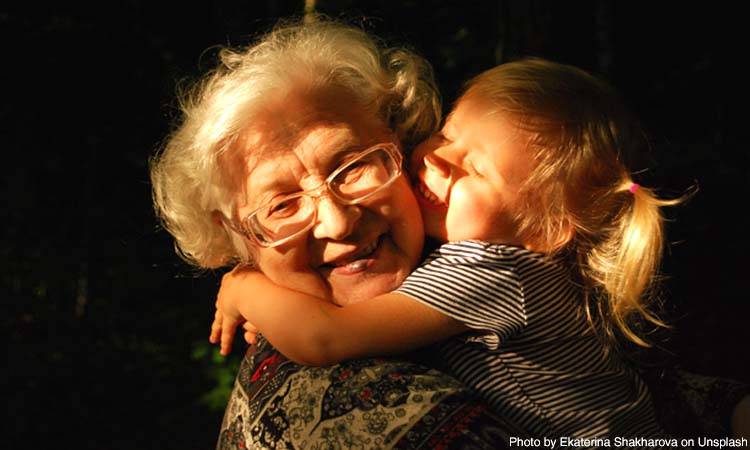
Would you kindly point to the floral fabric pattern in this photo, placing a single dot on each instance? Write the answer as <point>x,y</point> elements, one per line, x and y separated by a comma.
<point>393,404</point>
<point>359,404</point>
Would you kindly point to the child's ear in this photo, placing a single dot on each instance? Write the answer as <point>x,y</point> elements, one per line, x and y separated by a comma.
<point>554,241</point>
<point>564,236</point>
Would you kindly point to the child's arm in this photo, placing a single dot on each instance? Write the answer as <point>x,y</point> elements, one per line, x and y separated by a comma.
<point>312,331</point>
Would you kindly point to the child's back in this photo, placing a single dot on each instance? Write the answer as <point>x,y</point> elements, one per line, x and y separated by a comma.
<point>534,357</point>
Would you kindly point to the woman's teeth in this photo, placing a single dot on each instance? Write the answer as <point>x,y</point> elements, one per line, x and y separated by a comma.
<point>357,261</point>
<point>426,193</point>
<point>357,265</point>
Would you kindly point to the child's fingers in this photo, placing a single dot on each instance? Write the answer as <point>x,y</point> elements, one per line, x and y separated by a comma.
<point>216,328</point>
<point>227,338</point>
<point>250,327</point>
<point>251,333</point>
<point>251,338</point>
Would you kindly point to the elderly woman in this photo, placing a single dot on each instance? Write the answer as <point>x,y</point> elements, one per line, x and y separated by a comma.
<point>300,113</point>
<point>264,171</point>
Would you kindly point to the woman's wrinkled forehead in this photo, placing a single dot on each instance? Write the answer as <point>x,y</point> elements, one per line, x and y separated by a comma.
<point>285,161</point>
<point>300,133</point>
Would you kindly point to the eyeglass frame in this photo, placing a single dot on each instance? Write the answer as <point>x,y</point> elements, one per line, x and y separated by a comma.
<point>322,190</point>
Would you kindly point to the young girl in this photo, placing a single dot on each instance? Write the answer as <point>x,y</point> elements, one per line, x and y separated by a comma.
<point>551,250</point>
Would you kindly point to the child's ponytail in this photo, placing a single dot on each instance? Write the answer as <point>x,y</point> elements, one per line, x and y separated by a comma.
<point>622,262</point>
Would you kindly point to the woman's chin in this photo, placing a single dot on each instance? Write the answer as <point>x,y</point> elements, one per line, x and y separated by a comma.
<point>381,272</point>
<point>349,295</point>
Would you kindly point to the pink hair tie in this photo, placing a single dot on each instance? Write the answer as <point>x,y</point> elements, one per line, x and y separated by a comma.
<point>633,187</point>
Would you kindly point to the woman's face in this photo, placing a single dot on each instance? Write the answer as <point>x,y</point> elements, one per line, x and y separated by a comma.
<point>351,252</point>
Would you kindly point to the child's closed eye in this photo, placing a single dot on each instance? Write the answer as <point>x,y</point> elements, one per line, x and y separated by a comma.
<point>440,137</point>
<point>473,171</point>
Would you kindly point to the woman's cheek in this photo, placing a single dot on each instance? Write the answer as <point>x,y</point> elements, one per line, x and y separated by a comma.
<point>291,268</point>
<point>412,227</point>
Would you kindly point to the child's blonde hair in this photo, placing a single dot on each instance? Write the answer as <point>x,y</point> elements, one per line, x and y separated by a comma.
<point>580,196</point>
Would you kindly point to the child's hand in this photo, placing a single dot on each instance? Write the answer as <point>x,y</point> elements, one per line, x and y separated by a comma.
<point>225,335</point>
<point>222,332</point>
<point>228,317</point>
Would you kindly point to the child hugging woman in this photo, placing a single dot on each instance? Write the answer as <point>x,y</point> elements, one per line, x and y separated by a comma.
<point>550,253</point>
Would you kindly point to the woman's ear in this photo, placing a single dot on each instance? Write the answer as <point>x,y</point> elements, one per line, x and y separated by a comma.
<point>217,218</point>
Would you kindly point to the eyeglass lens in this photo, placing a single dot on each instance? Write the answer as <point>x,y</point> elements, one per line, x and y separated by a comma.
<point>364,176</point>
<point>352,182</point>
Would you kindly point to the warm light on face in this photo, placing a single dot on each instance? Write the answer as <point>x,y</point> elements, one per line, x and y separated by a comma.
<point>327,208</point>
<point>360,177</point>
<point>468,176</point>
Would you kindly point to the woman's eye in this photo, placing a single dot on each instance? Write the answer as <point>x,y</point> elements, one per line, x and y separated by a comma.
<point>284,208</point>
<point>356,168</point>
<point>353,172</point>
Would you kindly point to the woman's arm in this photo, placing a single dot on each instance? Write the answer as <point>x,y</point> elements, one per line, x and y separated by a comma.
<point>314,332</point>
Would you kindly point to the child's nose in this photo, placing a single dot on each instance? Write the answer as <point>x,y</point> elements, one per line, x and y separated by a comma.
<point>437,164</point>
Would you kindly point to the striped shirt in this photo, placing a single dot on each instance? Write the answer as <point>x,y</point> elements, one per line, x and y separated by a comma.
<point>533,357</point>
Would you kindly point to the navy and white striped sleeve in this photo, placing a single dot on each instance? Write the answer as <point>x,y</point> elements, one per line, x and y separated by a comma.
<point>474,285</point>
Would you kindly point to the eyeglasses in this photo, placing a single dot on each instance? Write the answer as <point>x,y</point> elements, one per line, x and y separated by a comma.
<point>357,179</point>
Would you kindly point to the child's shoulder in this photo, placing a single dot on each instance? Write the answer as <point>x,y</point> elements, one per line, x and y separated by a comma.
<point>477,250</point>
<point>482,248</point>
<point>473,251</point>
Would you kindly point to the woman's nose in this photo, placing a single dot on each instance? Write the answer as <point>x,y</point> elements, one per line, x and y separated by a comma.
<point>335,220</point>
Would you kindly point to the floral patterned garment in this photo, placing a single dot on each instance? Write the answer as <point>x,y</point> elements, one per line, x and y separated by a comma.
<point>359,404</point>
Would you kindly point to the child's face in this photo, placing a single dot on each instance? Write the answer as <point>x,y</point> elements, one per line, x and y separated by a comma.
<point>468,175</point>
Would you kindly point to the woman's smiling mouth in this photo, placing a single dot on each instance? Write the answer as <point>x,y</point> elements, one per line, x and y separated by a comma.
<point>357,262</point>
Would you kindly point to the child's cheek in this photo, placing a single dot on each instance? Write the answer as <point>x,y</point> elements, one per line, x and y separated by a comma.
<point>465,218</point>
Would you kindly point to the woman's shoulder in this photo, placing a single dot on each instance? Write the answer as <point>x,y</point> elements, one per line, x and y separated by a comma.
<point>396,401</point>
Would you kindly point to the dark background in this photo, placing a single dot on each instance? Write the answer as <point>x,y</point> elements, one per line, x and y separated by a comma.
<point>106,328</point>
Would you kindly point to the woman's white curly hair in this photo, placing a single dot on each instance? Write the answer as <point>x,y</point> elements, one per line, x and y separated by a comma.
<point>188,183</point>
